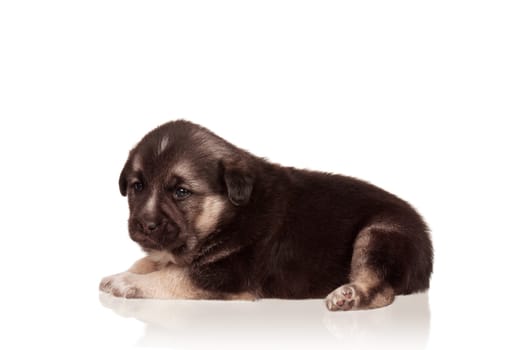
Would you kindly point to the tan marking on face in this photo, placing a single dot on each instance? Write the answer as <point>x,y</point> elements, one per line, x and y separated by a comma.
<point>151,204</point>
<point>163,144</point>
<point>212,208</point>
<point>137,163</point>
<point>184,170</point>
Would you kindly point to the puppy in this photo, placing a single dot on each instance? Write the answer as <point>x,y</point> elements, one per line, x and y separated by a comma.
<point>217,222</point>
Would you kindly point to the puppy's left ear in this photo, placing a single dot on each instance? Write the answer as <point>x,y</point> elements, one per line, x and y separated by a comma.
<point>239,181</point>
<point>122,182</point>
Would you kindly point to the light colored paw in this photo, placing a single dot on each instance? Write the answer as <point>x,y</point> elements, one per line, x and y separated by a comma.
<point>343,298</point>
<point>121,285</point>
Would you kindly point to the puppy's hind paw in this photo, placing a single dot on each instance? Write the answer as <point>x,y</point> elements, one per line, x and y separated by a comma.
<point>343,298</point>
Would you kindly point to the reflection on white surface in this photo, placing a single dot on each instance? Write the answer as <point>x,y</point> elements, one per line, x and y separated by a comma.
<point>275,323</point>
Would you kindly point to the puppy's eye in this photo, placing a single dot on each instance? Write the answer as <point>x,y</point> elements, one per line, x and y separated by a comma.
<point>181,193</point>
<point>138,186</point>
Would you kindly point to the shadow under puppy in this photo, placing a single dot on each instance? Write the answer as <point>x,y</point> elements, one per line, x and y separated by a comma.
<point>217,222</point>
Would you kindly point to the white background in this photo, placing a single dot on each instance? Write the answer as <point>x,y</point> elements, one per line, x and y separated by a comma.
<point>416,97</point>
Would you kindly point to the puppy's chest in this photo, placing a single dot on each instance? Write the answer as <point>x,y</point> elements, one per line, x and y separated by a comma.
<point>162,259</point>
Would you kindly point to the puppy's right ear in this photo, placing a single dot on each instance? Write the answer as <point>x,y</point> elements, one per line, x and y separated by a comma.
<point>122,182</point>
<point>239,182</point>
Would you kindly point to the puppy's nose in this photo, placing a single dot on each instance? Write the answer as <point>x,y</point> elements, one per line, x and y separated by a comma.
<point>150,226</point>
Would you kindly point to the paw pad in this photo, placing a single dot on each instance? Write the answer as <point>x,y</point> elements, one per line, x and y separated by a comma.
<point>343,298</point>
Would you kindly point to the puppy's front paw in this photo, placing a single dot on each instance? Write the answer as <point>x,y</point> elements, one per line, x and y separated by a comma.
<point>121,285</point>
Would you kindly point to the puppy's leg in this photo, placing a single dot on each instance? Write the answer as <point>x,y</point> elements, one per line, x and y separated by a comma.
<point>142,266</point>
<point>362,293</point>
<point>170,282</point>
<point>375,264</point>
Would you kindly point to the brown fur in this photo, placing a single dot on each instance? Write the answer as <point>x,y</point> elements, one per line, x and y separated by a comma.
<point>247,228</point>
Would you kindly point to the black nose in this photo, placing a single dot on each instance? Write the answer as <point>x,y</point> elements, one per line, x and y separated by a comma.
<point>149,226</point>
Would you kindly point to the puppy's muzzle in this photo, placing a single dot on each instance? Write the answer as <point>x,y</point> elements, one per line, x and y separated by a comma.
<point>149,227</point>
<point>156,228</point>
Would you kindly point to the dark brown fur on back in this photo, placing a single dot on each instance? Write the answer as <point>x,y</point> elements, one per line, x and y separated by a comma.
<point>298,232</point>
<point>283,232</point>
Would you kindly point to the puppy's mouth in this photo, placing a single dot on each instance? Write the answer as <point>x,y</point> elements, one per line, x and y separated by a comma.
<point>145,240</point>
<point>176,246</point>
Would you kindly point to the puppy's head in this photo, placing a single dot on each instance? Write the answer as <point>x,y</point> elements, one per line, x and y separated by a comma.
<point>183,183</point>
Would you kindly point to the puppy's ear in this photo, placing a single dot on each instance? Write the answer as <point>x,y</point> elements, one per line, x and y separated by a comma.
<point>122,182</point>
<point>239,182</point>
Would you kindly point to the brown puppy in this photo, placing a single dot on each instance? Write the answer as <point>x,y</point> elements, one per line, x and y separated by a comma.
<point>218,222</point>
